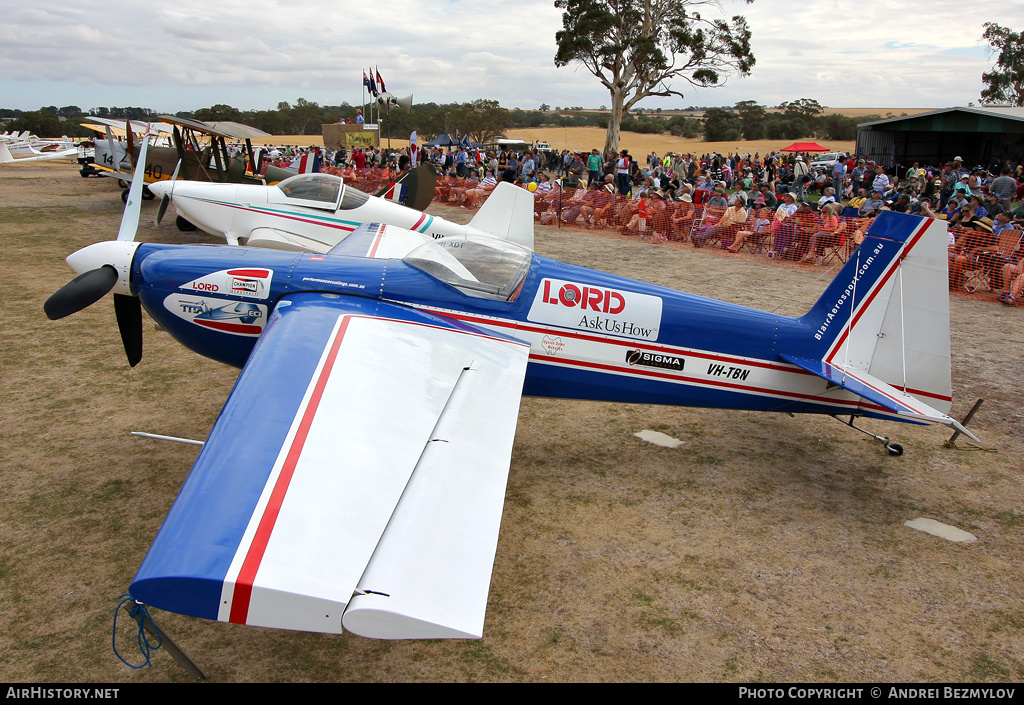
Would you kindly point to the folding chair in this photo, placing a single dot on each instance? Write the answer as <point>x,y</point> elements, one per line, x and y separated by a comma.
<point>759,239</point>
<point>728,236</point>
<point>839,249</point>
<point>707,219</point>
<point>991,262</point>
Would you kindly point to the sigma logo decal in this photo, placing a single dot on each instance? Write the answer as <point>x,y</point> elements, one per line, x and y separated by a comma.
<point>234,317</point>
<point>251,283</point>
<point>649,359</point>
<point>595,308</point>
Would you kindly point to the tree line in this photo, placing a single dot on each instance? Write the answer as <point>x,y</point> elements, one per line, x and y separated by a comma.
<point>483,120</point>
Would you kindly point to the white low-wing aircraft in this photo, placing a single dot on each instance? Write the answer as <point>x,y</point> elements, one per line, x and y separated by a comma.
<point>33,155</point>
<point>315,212</point>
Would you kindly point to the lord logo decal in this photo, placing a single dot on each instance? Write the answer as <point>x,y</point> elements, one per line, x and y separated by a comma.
<point>234,317</point>
<point>596,308</point>
<point>250,283</point>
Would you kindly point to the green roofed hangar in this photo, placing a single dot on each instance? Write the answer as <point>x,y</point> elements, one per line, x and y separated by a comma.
<point>979,135</point>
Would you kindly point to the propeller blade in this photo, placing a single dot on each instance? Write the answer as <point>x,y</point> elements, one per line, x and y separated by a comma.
<point>164,202</point>
<point>130,218</point>
<point>128,310</point>
<point>166,199</point>
<point>82,291</point>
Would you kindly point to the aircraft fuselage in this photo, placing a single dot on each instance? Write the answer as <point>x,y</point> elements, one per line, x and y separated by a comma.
<point>593,335</point>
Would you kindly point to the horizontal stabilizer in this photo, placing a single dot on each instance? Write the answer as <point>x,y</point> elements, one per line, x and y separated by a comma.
<point>507,214</point>
<point>277,239</point>
<point>380,242</point>
<point>877,392</point>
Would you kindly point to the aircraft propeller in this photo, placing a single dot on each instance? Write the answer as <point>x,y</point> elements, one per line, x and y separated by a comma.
<point>166,198</point>
<point>105,266</point>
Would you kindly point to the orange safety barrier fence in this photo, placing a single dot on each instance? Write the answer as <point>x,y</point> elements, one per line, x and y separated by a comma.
<point>983,265</point>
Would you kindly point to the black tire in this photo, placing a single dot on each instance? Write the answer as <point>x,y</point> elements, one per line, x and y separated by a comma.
<point>124,196</point>
<point>122,183</point>
<point>183,225</point>
<point>894,449</point>
<point>147,195</point>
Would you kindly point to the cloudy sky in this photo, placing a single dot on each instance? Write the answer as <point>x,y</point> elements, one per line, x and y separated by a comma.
<point>252,54</point>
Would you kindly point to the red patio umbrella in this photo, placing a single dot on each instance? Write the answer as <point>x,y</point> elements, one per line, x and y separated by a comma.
<point>805,147</point>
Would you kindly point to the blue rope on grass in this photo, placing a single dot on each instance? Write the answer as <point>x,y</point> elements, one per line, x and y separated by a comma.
<point>144,646</point>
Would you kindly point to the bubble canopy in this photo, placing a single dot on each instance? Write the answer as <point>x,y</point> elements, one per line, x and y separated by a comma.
<point>321,191</point>
<point>478,266</point>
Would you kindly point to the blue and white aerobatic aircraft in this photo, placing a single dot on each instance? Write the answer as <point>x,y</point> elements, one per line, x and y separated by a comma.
<point>356,475</point>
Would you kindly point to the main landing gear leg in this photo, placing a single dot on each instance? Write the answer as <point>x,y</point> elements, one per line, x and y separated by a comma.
<point>893,448</point>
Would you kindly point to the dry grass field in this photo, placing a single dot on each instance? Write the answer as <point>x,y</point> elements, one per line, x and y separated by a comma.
<point>640,145</point>
<point>587,138</point>
<point>765,548</point>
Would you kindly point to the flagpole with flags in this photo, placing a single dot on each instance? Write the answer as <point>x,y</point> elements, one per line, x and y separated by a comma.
<point>387,105</point>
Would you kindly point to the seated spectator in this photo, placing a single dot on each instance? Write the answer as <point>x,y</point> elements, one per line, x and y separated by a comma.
<point>574,206</point>
<point>901,204</point>
<point>759,232</point>
<point>832,228</point>
<point>981,235</point>
<point>992,205</point>
<point>1012,277</point>
<point>974,238</point>
<point>952,207</point>
<point>924,208</point>
<point>547,205</point>
<point>595,199</point>
<point>459,188</point>
<point>978,204</point>
<point>640,223</point>
<point>472,197</point>
<point>732,220</point>
<point>828,196</point>
<point>963,217</point>
<point>682,218</point>
<point>805,225</point>
<point>604,209</point>
<point>858,200</point>
<point>718,199</point>
<point>873,205</point>
<point>863,225</point>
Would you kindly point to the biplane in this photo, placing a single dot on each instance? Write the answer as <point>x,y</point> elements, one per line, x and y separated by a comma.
<point>356,476</point>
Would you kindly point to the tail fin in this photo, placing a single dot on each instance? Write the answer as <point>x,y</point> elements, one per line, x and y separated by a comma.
<point>507,214</point>
<point>881,329</point>
<point>5,154</point>
<point>418,188</point>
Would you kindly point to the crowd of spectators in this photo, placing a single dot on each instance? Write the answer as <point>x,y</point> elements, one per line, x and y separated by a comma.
<point>774,204</point>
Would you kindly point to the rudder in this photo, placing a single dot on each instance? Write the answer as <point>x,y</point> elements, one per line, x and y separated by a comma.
<point>887,311</point>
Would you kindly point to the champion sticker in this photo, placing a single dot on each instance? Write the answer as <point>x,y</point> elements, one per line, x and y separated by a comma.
<point>248,283</point>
